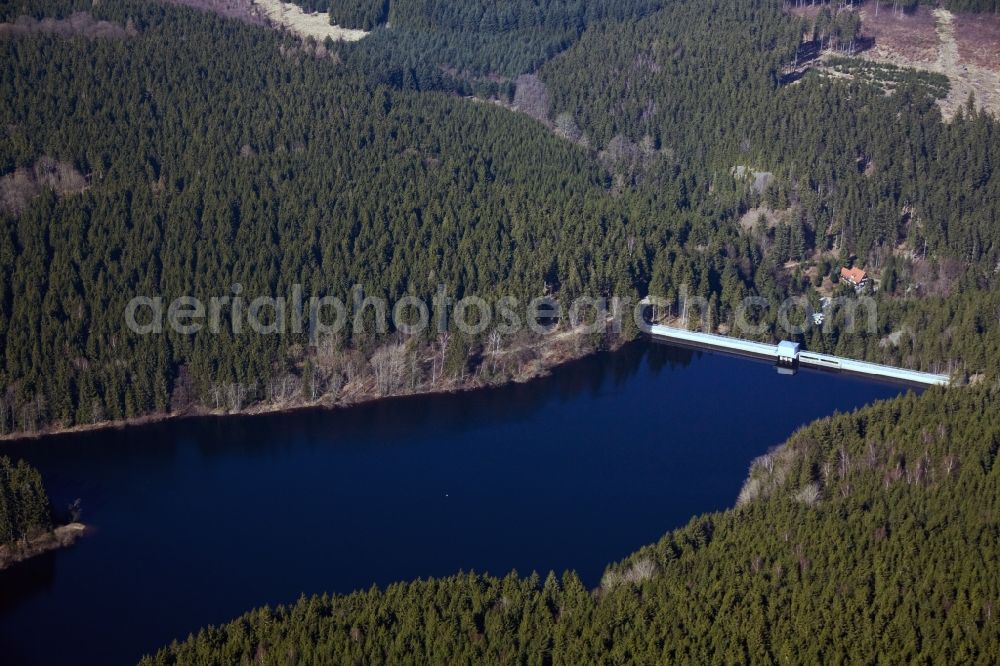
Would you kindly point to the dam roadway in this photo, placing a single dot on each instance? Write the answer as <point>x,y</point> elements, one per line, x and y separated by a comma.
<point>791,355</point>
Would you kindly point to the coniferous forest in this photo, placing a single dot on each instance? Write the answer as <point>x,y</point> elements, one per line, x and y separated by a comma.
<point>444,45</point>
<point>873,533</point>
<point>563,148</point>
<point>24,505</point>
<point>265,166</point>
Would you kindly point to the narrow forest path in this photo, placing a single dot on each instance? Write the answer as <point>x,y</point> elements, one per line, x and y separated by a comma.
<point>949,63</point>
<point>940,41</point>
<point>966,77</point>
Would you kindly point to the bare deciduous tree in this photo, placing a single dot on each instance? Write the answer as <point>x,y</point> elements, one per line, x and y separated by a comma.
<point>567,128</point>
<point>827,471</point>
<point>641,570</point>
<point>334,383</point>
<point>215,392</point>
<point>283,387</point>
<point>327,349</point>
<point>437,363</point>
<point>31,413</point>
<point>415,374</point>
<point>389,366</point>
<point>532,97</point>
<point>316,385</point>
<point>809,494</point>
<point>767,462</point>
<point>494,346</point>
<point>843,463</point>
<point>236,395</point>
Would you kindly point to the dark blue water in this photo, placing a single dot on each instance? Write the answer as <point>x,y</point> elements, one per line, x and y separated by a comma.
<point>195,522</point>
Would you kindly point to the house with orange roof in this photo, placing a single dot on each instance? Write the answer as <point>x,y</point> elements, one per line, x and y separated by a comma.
<point>855,277</point>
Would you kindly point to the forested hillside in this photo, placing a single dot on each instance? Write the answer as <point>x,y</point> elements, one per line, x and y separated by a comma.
<point>608,149</point>
<point>24,505</point>
<point>861,170</point>
<point>980,6</point>
<point>183,168</point>
<point>273,171</point>
<point>873,533</point>
<point>469,44</point>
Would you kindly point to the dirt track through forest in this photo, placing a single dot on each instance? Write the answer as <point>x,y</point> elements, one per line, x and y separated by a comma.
<point>896,35</point>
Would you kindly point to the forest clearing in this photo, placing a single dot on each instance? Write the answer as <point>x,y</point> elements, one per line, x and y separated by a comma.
<point>316,25</point>
<point>965,48</point>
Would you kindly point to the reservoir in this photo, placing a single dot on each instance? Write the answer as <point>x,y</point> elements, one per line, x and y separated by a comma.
<point>195,522</point>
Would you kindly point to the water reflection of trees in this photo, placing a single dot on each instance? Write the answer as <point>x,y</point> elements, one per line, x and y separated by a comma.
<point>24,580</point>
<point>385,423</point>
<point>395,421</point>
<point>670,356</point>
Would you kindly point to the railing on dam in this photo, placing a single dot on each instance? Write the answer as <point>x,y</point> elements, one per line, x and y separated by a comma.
<point>778,354</point>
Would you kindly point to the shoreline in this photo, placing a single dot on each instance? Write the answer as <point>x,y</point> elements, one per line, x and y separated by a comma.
<point>351,398</point>
<point>62,536</point>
